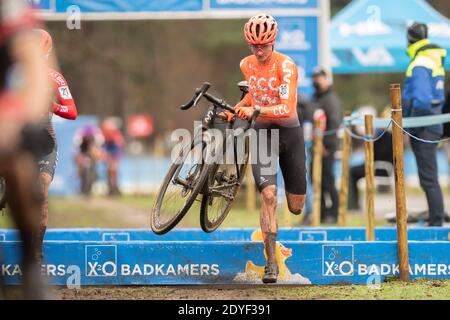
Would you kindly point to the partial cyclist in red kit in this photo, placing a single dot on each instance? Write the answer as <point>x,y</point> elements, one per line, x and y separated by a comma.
<point>24,92</point>
<point>62,105</point>
<point>272,79</point>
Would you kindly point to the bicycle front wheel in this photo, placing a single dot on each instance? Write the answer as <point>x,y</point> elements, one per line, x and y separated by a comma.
<point>179,188</point>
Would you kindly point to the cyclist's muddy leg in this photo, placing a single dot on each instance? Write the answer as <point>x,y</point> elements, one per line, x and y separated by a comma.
<point>295,202</point>
<point>268,220</point>
<point>25,206</point>
<point>45,180</point>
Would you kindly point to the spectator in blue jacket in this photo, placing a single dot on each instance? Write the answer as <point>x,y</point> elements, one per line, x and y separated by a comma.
<point>423,95</point>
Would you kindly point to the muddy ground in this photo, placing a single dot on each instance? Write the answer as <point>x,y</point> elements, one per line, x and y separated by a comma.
<point>392,290</point>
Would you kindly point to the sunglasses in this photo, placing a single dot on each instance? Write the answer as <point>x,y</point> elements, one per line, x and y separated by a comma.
<point>261,46</point>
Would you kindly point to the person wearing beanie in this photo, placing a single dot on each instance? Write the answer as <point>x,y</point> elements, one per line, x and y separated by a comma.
<point>423,95</point>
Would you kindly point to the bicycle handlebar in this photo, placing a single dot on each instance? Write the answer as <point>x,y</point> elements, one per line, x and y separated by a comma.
<point>202,92</point>
<point>199,92</point>
<point>218,102</point>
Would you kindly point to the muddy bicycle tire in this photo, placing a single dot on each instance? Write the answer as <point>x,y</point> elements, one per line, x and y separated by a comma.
<point>209,223</point>
<point>157,224</point>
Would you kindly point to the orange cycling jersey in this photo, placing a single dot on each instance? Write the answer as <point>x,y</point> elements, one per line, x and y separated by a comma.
<point>273,87</point>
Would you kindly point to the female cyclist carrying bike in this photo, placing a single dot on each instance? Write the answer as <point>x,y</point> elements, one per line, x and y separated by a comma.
<point>272,79</point>
<point>63,105</point>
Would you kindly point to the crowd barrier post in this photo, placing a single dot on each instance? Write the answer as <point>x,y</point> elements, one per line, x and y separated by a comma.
<point>317,171</point>
<point>343,192</point>
<point>400,198</point>
<point>370,184</point>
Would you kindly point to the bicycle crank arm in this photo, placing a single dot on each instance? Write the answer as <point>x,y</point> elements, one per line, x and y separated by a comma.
<point>225,186</point>
<point>182,182</point>
<point>219,194</point>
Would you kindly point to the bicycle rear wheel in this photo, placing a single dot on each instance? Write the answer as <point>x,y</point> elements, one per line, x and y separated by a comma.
<point>220,190</point>
<point>179,188</point>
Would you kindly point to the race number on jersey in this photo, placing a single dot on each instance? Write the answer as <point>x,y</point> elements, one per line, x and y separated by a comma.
<point>65,93</point>
<point>284,91</point>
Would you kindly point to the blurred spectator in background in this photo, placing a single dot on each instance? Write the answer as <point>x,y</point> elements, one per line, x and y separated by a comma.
<point>326,99</point>
<point>88,143</point>
<point>446,109</point>
<point>305,111</point>
<point>423,95</point>
<point>113,146</point>
<point>382,155</point>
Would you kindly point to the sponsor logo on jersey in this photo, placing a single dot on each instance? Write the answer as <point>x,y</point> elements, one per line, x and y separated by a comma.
<point>287,66</point>
<point>281,110</point>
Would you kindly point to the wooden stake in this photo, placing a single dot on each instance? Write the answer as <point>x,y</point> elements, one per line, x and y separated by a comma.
<point>317,172</point>
<point>370,184</point>
<point>400,198</point>
<point>343,192</point>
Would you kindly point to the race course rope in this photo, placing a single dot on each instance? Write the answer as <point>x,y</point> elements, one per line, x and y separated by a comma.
<point>409,122</point>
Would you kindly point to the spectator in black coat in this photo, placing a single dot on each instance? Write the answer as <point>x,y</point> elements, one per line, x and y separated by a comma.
<point>446,109</point>
<point>326,99</point>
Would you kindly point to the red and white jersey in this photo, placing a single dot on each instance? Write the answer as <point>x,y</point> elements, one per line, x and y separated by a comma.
<point>64,104</point>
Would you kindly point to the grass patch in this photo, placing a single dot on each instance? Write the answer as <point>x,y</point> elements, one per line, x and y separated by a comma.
<point>122,212</point>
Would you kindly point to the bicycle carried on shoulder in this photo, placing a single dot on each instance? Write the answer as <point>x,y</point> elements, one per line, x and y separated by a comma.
<point>199,168</point>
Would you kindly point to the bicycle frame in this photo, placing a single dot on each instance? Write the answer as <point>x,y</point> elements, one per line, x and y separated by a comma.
<point>208,122</point>
<point>204,178</point>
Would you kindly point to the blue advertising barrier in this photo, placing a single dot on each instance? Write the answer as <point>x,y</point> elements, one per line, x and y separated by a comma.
<point>235,234</point>
<point>268,4</point>
<point>227,262</point>
<point>41,4</point>
<point>104,6</point>
<point>130,6</point>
